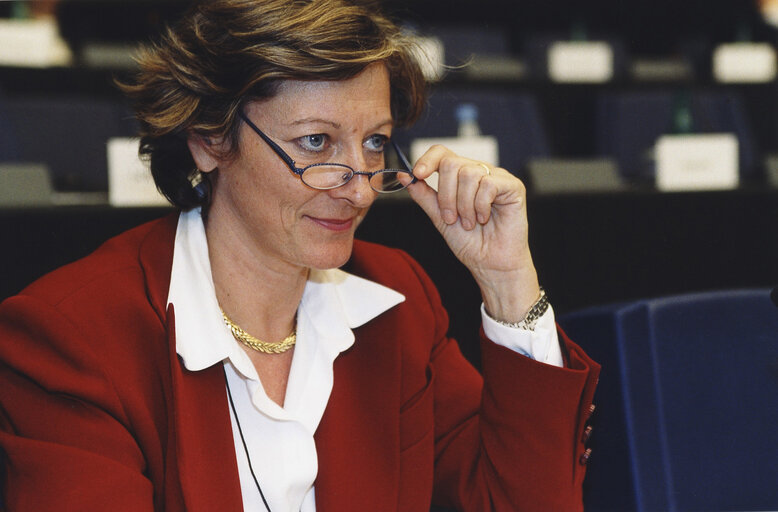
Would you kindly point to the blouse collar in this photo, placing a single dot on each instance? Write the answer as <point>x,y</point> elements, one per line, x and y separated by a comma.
<point>334,302</point>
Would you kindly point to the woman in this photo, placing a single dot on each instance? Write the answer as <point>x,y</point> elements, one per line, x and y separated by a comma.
<point>219,359</point>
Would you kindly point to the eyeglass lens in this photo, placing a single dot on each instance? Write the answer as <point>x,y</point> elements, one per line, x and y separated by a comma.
<point>327,176</point>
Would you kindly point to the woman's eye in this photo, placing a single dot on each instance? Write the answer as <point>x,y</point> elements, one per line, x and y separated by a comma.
<point>376,142</point>
<point>314,142</point>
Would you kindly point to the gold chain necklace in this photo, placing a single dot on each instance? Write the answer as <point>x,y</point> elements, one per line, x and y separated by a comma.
<point>257,344</point>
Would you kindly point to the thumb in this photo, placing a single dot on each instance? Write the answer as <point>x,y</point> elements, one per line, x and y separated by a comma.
<point>427,198</point>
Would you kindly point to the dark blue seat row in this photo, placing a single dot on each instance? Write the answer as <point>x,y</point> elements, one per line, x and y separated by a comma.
<point>69,135</point>
<point>627,125</point>
<point>687,404</point>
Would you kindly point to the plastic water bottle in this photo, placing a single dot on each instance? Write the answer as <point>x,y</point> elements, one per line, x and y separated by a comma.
<point>683,121</point>
<point>467,119</point>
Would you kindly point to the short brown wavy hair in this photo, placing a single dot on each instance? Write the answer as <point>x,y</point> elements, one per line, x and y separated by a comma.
<point>223,53</point>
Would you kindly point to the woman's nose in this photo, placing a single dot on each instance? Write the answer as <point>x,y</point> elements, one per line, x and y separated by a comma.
<point>357,191</point>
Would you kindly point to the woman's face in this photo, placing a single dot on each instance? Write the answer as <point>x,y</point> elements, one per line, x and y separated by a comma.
<point>267,207</point>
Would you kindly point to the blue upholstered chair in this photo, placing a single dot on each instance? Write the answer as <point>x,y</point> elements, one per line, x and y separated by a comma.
<point>68,135</point>
<point>687,405</point>
<point>9,147</point>
<point>463,41</point>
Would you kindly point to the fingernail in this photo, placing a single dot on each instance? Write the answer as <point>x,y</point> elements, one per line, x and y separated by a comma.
<point>481,218</point>
<point>467,224</point>
<point>449,216</point>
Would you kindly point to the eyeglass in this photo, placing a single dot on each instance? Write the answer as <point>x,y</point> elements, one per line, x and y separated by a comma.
<point>326,176</point>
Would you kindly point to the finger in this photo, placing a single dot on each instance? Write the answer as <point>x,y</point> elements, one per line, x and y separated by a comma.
<point>484,199</point>
<point>429,162</point>
<point>437,159</point>
<point>468,181</point>
<point>448,186</point>
<point>426,197</point>
<point>501,189</point>
<point>405,179</point>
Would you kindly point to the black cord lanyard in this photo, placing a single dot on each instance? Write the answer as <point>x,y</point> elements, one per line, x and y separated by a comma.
<point>243,440</point>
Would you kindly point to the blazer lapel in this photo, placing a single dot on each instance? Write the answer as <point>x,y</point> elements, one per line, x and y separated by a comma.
<point>205,450</point>
<point>156,260</point>
<point>200,436</point>
<point>358,438</point>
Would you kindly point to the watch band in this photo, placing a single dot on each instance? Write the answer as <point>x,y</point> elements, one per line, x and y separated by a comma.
<point>529,321</point>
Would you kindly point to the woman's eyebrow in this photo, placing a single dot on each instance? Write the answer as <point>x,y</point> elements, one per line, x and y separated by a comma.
<point>336,125</point>
<point>309,120</point>
<point>381,124</point>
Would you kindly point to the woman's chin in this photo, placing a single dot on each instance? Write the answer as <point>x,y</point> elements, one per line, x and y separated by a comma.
<point>334,256</point>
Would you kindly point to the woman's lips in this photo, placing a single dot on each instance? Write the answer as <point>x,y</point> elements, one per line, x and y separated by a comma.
<point>334,224</point>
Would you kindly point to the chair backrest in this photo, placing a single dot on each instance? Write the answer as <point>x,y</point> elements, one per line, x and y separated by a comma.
<point>687,402</point>
<point>513,118</point>
<point>629,123</point>
<point>8,144</point>
<point>68,135</point>
<point>461,42</point>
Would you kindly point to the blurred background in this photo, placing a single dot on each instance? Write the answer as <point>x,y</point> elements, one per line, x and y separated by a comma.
<point>645,131</point>
<point>573,97</point>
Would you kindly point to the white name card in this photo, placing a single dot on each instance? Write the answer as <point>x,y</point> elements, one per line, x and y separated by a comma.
<point>586,61</point>
<point>744,63</point>
<point>697,162</point>
<point>129,178</point>
<point>32,43</point>
<point>482,148</point>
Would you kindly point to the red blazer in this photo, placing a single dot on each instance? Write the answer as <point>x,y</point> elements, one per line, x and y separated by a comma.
<point>97,412</point>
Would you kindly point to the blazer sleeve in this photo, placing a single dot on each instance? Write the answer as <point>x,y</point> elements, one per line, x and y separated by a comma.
<point>510,439</point>
<point>64,433</point>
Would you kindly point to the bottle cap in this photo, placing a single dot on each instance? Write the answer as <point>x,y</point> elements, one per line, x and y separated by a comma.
<point>467,112</point>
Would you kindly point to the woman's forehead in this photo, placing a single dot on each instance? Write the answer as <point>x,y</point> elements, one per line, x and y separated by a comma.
<point>297,101</point>
<point>374,75</point>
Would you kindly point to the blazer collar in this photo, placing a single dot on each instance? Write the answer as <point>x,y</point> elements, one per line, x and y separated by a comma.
<point>156,259</point>
<point>201,435</point>
<point>201,452</point>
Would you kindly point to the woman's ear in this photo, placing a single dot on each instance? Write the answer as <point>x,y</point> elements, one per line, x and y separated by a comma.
<point>204,152</point>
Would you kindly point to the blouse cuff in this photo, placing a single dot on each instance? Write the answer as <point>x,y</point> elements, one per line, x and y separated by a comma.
<point>541,344</point>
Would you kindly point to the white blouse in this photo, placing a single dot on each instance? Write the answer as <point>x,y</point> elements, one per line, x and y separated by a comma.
<point>279,439</point>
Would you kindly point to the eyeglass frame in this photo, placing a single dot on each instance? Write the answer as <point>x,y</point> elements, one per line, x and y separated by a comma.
<point>289,161</point>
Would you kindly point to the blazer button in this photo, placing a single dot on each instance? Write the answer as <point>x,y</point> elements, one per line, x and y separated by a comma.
<point>592,407</point>
<point>585,457</point>
<point>587,433</point>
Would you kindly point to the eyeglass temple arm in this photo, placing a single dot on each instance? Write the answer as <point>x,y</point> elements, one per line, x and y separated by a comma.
<point>403,160</point>
<point>275,147</point>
